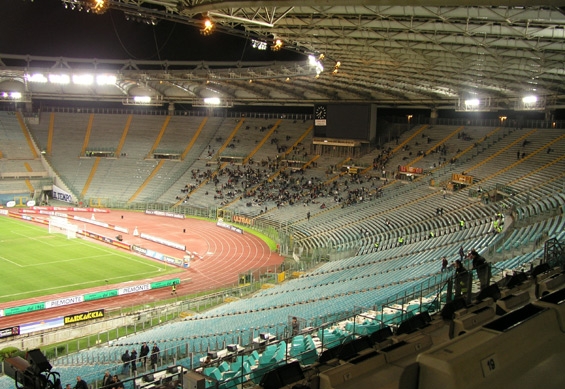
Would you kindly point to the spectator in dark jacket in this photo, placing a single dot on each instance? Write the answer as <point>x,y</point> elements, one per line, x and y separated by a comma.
<point>154,356</point>
<point>143,353</point>
<point>81,384</point>
<point>125,359</point>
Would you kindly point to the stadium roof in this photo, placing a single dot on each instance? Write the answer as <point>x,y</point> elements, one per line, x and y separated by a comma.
<point>393,53</point>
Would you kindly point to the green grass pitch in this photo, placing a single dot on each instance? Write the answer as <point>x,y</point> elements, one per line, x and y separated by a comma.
<point>35,263</point>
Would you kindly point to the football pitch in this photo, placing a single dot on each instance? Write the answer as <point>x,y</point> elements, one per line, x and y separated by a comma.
<point>35,263</point>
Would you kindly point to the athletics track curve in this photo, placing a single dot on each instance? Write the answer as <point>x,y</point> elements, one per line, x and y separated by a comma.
<point>221,255</point>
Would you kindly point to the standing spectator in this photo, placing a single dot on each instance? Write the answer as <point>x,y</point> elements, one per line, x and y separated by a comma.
<point>68,386</point>
<point>143,353</point>
<point>461,253</point>
<point>154,356</point>
<point>308,215</point>
<point>81,384</point>
<point>443,264</point>
<point>133,359</point>
<point>481,267</point>
<point>125,359</point>
<point>461,279</point>
<point>107,380</point>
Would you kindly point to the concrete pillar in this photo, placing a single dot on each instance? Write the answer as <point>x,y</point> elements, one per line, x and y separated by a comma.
<point>433,116</point>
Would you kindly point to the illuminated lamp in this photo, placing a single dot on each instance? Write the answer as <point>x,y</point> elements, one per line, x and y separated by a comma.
<point>472,102</point>
<point>315,63</point>
<point>83,79</point>
<point>99,6</point>
<point>530,99</point>
<point>277,45</point>
<point>36,77</point>
<point>62,79</point>
<point>208,27</point>
<point>142,99</point>
<point>106,79</point>
<point>212,101</point>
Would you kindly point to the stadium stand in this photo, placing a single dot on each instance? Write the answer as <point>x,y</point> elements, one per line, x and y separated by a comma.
<point>380,309</point>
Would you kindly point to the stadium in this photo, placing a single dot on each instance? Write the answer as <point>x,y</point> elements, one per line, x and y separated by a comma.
<point>313,196</point>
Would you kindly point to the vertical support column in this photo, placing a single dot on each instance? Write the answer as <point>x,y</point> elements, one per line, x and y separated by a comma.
<point>433,116</point>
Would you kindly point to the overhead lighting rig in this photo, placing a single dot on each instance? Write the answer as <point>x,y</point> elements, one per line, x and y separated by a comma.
<point>140,17</point>
<point>96,6</point>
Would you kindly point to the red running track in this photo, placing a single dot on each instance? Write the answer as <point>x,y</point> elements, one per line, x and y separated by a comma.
<point>223,255</point>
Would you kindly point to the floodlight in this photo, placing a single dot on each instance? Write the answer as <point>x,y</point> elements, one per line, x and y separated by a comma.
<point>106,79</point>
<point>312,60</point>
<point>83,79</point>
<point>208,27</point>
<point>212,100</point>
<point>530,99</point>
<point>142,99</point>
<point>472,102</point>
<point>99,6</point>
<point>36,77</point>
<point>277,45</point>
<point>59,79</point>
<point>15,95</point>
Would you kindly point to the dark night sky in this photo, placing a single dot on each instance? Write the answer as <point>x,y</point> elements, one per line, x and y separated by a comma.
<point>45,27</point>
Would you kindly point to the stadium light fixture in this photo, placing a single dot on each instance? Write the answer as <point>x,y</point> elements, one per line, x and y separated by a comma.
<point>83,79</point>
<point>530,99</point>
<point>62,79</point>
<point>99,6</point>
<point>278,44</point>
<point>106,79</point>
<point>317,64</point>
<point>212,101</point>
<point>208,27</point>
<point>36,77</point>
<point>142,99</point>
<point>472,102</point>
<point>336,67</point>
<point>10,96</point>
<point>96,6</point>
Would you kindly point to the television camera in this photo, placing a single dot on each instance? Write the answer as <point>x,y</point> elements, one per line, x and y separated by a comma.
<point>33,372</point>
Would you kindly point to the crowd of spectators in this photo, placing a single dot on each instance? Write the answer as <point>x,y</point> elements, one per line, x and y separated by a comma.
<point>257,186</point>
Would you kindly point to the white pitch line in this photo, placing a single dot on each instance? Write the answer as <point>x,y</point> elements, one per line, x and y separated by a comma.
<point>12,262</point>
